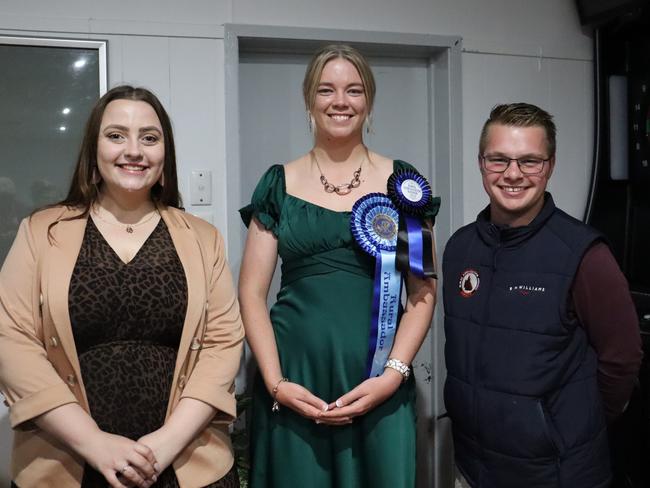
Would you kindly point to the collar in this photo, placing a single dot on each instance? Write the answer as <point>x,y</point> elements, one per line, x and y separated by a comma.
<point>506,236</point>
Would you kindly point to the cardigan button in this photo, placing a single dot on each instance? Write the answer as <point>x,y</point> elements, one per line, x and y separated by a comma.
<point>40,299</point>
<point>72,380</point>
<point>181,382</point>
<point>196,344</point>
<point>54,342</point>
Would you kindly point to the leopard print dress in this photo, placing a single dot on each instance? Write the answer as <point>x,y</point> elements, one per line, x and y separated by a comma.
<point>127,321</point>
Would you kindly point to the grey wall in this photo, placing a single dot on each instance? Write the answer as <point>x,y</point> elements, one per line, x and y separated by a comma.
<point>512,50</point>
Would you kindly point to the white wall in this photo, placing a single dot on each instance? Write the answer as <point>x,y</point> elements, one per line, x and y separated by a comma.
<point>513,50</point>
<point>561,86</point>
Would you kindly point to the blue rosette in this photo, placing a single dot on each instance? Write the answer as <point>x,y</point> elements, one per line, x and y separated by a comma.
<point>411,193</point>
<point>375,224</point>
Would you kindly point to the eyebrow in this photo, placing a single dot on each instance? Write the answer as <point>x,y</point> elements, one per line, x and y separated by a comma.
<point>149,128</point>
<point>527,155</point>
<point>329,83</point>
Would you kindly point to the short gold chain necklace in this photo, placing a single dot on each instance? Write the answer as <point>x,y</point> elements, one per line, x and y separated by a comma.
<point>129,228</point>
<point>345,188</point>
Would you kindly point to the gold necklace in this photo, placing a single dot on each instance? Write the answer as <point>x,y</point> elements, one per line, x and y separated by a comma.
<point>345,188</point>
<point>129,228</point>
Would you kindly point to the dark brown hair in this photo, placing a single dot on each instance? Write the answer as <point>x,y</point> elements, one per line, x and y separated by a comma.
<point>521,115</point>
<point>84,189</point>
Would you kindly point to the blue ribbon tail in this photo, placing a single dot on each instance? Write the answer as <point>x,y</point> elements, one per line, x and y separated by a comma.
<point>414,231</point>
<point>385,310</point>
<point>415,247</point>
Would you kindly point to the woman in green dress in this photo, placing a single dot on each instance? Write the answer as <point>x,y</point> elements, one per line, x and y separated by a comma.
<point>317,419</point>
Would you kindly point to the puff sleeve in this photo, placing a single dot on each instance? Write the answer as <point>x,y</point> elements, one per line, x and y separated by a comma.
<point>266,202</point>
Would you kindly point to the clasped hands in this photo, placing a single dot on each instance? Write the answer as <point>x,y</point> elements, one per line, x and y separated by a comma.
<point>358,401</point>
<point>127,463</point>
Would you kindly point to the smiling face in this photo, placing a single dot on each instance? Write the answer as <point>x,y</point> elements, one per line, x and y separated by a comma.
<point>340,105</point>
<point>130,148</point>
<point>515,198</point>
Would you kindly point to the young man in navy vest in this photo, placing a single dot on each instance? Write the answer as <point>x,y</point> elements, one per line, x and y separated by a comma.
<point>542,338</point>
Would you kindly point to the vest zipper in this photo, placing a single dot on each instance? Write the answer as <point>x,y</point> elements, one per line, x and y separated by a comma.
<point>478,369</point>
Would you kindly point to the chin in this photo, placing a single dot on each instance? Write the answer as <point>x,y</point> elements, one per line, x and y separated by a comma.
<point>342,134</point>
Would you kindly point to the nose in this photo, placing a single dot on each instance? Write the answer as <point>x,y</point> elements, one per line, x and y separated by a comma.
<point>340,99</point>
<point>512,171</point>
<point>132,150</point>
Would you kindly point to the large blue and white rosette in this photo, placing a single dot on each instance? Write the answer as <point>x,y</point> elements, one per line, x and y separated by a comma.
<point>374,225</point>
<point>411,194</point>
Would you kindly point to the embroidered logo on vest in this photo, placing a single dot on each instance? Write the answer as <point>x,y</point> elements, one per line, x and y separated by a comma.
<point>526,289</point>
<point>469,282</point>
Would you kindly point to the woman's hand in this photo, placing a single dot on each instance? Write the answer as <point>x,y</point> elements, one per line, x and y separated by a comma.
<point>163,447</point>
<point>363,398</point>
<point>301,400</point>
<point>121,461</point>
<point>187,422</point>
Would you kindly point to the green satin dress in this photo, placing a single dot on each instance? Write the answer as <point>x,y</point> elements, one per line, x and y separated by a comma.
<point>321,321</point>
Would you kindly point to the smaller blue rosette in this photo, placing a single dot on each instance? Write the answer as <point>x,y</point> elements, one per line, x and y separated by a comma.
<point>409,191</point>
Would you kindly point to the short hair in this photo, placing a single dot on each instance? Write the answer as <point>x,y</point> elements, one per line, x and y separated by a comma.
<point>521,115</point>
<point>325,55</point>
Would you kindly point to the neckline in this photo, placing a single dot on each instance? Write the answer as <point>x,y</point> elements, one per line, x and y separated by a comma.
<point>342,212</point>
<point>114,252</point>
<point>513,236</point>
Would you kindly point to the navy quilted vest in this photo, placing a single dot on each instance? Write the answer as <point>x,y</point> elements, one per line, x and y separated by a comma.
<point>521,387</point>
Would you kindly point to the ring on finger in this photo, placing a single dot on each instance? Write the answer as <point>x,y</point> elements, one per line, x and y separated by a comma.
<point>126,466</point>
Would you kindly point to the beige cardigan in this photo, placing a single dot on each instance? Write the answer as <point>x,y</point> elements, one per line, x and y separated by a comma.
<point>39,367</point>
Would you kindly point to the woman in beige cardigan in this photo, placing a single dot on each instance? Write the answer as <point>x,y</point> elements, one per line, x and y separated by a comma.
<point>120,333</point>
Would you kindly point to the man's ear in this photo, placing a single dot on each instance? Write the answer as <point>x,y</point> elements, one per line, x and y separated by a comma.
<point>551,167</point>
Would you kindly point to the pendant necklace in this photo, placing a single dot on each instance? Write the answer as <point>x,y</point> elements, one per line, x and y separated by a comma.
<point>129,228</point>
<point>345,188</point>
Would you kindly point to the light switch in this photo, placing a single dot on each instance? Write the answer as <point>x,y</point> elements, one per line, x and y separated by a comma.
<point>201,188</point>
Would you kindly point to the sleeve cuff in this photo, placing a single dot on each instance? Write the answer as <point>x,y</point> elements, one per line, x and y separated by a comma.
<point>218,398</point>
<point>24,410</point>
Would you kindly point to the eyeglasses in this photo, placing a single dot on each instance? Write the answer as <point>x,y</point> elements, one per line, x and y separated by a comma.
<point>499,164</point>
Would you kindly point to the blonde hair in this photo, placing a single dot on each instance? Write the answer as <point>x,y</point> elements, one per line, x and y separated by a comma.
<point>325,55</point>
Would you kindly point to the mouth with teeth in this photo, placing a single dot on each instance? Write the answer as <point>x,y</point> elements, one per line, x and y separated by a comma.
<point>513,189</point>
<point>135,168</point>
<point>340,117</point>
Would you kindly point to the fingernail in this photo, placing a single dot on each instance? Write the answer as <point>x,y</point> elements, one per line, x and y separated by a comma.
<point>317,421</point>
<point>154,478</point>
<point>156,466</point>
<point>326,407</point>
<point>338,403</point>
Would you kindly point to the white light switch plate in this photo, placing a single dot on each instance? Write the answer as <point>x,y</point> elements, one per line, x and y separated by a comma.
<point>201,188</point>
